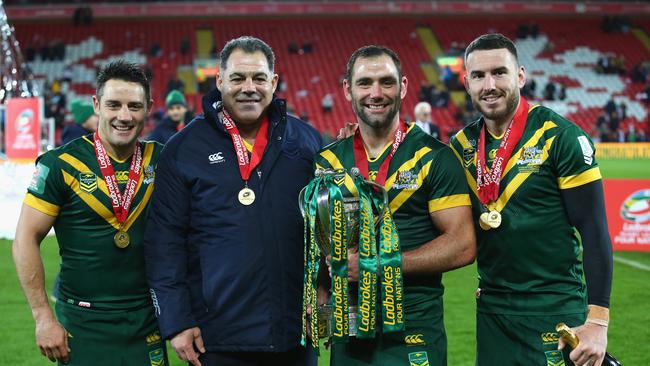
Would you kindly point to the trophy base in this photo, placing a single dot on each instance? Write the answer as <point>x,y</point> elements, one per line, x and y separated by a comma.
<point>325,321</point>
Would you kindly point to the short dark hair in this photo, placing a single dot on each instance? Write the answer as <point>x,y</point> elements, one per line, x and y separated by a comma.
<point>492,41</point>
<point>372,51</point>
<point>123,70</point>
<point>247,44</point>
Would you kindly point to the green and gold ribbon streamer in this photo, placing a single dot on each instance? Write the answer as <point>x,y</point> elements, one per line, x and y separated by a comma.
<point>339,244</point>
<point>367,316</point>
<point>392,292</point>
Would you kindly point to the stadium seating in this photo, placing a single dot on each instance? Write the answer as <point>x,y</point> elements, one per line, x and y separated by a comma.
<point>311,75</point>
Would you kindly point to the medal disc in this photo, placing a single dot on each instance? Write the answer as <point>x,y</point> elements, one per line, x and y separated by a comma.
<point>121,239</point>
<point>483,221</point>
<point>494,219</point>
<point>246,196</point>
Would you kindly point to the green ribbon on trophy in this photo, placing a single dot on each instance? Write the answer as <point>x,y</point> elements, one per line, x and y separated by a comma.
<point>311,259</point>
<point>367,317</point>
<point>334,223</point>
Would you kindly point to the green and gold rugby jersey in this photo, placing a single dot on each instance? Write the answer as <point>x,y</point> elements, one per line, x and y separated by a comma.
<point>423,177</point>
<point>68,184</point>
<point>532,263</point>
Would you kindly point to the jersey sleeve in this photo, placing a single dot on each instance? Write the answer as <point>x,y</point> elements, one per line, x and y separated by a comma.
<point>574,155</point>
<point>448,187</point>
<point>46,191</point>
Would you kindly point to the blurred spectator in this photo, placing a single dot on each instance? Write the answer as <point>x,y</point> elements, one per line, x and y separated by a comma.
<point>621,110</point>
<point>642,136</point>
<point>292,48</point>
<point>174,120</point>
<point>67,73</point>
<point>423,120</point>
<point>175,84</point>
<point>528,91</point>
<point>185,46</point>
<point>549,91</point>
<point>639,73</point>
<point>327,103</point>
<point>85,121</point>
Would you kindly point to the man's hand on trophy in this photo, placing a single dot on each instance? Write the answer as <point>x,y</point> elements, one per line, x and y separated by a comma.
<point>347,130</point>
<point>353,264</point>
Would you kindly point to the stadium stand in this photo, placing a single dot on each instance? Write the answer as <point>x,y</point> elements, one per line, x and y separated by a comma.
<point>312,72</point>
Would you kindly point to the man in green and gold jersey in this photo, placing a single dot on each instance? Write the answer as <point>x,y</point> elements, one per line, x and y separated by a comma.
<point>95,191</point>
<point>429,202</point>
<point>544,253</point>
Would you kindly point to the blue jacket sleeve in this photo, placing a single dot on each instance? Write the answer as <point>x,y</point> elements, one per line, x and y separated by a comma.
<point>166,249</point>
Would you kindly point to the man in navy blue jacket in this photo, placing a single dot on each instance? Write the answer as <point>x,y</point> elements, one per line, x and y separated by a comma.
<point>224,241</point>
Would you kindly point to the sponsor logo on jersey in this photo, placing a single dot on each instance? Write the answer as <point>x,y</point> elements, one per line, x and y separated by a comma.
<point>37,184</point>
<point>153,338</point>
<point>149,174</point>
<point>122,176</point>
<point>87,182</point>
<point>554,358</point>
<point>636,208</point>
<point>216,158</point>
<point>157,357</point>
<point>418,359</point>
<point>406,179</point>
<point>414,340</point>
<point>587,150</point>
<point>84,304</point>
<point>549,337</point>
<point>530,160</point>
<point>468,156</point>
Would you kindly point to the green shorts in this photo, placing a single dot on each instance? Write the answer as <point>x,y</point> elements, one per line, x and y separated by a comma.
<point>521,339</point>
<point>111,337</point>
<point>424,343</point>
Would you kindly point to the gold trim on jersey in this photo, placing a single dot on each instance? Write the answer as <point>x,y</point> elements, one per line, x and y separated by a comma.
<point>95,204</point>
<point>405,194</point>
<point>41,205</point>
<point>92,201</point>
<point>519,179</point>
<point>455,200</point>
<point>83,168</point>
<point>577,180</point>
<point>335,164</point>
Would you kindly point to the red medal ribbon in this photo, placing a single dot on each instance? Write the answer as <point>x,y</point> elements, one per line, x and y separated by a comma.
<point>247,165</point>
<point>121,203</point>
<point>360,154</point>
<point>487,183</point>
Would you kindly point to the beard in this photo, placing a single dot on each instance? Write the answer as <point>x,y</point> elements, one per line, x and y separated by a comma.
<point>377,122</point>
<point>511,104</point>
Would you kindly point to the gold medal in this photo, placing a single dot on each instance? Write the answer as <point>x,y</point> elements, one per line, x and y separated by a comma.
<point>121,239</point>
<point>483,221</point>
<point>494,219</point>
<point>246,196</point>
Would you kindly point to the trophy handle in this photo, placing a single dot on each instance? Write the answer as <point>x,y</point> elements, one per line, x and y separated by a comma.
<point>323,204</point>
<point>384,195</point>
<point>301,197</point>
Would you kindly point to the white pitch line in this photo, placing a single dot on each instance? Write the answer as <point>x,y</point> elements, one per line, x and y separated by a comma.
<point>632,263</point>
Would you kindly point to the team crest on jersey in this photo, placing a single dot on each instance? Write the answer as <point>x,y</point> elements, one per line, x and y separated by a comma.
<point>406,179</point>
<point>554,358</point>
<point>149,174</point>
<point>157,357</point>
<point>530,160</point>
<point>468,156</point>
<point>87,182</point>
<point>418,359</point>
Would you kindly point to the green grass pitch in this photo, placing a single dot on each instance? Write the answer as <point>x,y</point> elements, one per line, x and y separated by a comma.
<point>629,332</point>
